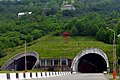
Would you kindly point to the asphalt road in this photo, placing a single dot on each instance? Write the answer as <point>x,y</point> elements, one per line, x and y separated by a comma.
<point>77,76</point>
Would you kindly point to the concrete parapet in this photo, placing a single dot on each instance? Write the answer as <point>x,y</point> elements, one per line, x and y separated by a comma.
<point>28,75</point>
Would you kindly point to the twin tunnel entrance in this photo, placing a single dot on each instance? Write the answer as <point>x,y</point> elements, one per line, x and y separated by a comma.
<point>91,60</point>
<point>89,63</point>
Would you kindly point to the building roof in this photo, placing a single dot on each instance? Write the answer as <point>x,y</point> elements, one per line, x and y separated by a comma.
<point>68,7</point>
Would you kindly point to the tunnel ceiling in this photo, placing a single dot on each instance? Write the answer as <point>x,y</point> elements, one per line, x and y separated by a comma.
<point>91,60</point>
<point>18,61</point>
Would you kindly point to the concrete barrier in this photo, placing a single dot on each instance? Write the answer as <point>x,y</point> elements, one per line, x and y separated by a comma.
<point>13,76</point>
<point>54,74</point>
<point>28,75</point>
<point>3,76</point>
<point>34,75</point>
<point>39,74</point>
<point>47,74</point>
<point>61,73</point>
<point>44,74</point>
<point>57,74</point>
<point>21,76</point>
<point>51,74</point>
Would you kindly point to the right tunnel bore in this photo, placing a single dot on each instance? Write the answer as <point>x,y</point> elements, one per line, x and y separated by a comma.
<point>92,63</point>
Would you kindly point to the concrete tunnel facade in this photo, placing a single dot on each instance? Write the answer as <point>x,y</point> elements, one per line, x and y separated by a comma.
<point>92,60</point>
<point>18,62</point>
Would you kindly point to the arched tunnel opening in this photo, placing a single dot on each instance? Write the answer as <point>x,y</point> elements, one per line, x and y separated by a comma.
<point>20,63</point>
<point>92,63</point>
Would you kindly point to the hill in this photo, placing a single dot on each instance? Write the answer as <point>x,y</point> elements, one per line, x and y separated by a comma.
<point>90,18</point>
<point>55,47</point>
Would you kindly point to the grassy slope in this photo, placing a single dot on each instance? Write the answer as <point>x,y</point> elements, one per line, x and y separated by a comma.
<point>54,47</point>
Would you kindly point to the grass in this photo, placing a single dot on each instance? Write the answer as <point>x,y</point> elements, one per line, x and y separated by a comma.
<point>55,47</point>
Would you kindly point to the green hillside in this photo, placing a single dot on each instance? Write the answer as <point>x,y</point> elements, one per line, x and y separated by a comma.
<point>55,47</point>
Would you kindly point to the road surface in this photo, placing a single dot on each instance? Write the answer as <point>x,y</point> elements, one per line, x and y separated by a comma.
<point>78,76</point>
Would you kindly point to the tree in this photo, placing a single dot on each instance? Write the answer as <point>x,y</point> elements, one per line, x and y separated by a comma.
<point>36,34</point>
<point>12,44</point>
<point>93,30</point>
<point>74,31</point>
<point>71,24</point>
<point>118,28</point>
<point>68,13</point>
<point>17,41</point>
<point>29,38</point>
<point>114,14</point>
<point>51,11</point>
<point>118,48</point>
<point>80,25</point>
<point>102,35</point>
<point>2,52</point>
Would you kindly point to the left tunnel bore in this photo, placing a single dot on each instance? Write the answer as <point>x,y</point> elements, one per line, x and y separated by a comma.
<point>20,63</point>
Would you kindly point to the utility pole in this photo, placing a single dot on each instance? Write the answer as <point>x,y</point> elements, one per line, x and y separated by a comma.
<point>25,58</point>
<point>114,54</point>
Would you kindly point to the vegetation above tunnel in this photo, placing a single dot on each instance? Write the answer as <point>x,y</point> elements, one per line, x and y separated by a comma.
<point>55,47</point>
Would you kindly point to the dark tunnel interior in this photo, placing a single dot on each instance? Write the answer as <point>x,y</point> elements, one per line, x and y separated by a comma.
<point>92,63</point>
<point>20,63</point>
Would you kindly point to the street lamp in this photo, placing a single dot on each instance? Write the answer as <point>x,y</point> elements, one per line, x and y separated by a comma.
<point>114,54</point>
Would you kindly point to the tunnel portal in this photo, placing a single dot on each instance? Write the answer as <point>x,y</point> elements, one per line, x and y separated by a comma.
<point>91,60</point>
<point>18,62</point>
<point>92,63</point>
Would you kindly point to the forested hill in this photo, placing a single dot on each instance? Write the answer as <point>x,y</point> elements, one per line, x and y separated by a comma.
<point>90,18</point>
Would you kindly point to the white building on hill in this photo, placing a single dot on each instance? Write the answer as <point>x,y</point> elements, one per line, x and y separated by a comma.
<point>68,7</point>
